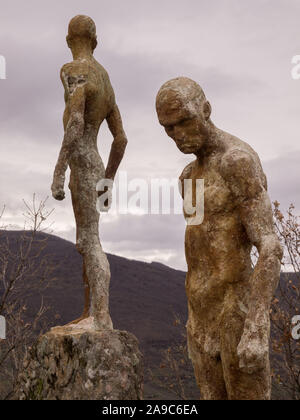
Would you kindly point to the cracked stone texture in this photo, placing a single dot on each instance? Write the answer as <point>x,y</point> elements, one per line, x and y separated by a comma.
<point>79,363</point>
<point>87,359</point>
<point>89,100</point>
<point>228,327</point>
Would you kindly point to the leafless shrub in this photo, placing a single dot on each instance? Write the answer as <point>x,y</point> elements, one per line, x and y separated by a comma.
<point>24,272</point>
<point>286,305</point>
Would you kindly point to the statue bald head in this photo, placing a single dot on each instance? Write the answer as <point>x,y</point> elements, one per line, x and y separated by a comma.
<point>184,112</point>
<point>82,28</point>
<point>181,92</point>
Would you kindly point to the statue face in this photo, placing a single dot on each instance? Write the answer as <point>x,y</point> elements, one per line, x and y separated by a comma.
<point>186,129</point>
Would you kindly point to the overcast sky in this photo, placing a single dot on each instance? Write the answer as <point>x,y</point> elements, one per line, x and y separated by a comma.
<point>240,52</point>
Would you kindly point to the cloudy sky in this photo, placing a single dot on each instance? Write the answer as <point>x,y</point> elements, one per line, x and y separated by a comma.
<point>239,51</point>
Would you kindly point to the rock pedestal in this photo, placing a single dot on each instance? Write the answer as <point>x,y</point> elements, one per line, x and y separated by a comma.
<point>78,363</point>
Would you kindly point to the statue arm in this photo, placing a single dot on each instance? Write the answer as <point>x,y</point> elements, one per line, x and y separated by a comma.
<point>119,144</point>
<point>73,131</point>
<point>247,185</point>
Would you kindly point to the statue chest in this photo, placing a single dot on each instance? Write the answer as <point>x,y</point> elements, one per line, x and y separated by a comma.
<point>216,193</point>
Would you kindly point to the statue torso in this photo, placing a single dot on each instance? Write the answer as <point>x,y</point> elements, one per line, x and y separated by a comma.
<point>218,250</point>
<point>99,101</point>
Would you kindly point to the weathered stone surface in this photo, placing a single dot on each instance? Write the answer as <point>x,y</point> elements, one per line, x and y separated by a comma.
<point>228,327</point>
<point>87,359</point>
<point>89,100</point>
<point>79,363</point>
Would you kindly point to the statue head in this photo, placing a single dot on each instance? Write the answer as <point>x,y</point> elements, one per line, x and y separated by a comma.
<point>82,29</point>
<point>184,112</point>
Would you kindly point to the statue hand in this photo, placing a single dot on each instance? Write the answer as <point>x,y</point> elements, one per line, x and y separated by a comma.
<point>253,350</point>
<point>57,192</point>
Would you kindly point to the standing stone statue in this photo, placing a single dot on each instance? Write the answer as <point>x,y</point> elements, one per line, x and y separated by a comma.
<point>89,99</point>
<point>229,326</point>
<point>86,359</point>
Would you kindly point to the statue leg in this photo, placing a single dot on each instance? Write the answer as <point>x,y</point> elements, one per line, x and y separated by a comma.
<point>96,267</point>
<point>208,371</point>
<point>240,385</point>
<point>98,275</point>
<point>86,309</point>
<point>87,300</point>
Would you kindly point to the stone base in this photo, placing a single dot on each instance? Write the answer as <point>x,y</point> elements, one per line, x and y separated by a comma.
<point>78,363</point>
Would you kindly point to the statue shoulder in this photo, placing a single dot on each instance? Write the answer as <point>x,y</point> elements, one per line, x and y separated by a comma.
<point>241,169</point>
<point>74,75</point>
<point>236,160</point>
<point>75,68</point>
